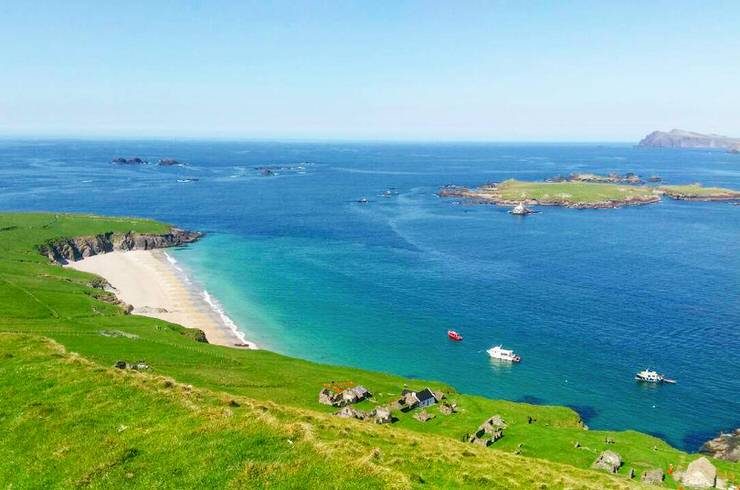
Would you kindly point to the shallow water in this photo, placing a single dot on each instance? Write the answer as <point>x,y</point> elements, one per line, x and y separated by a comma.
<point>586,297</point>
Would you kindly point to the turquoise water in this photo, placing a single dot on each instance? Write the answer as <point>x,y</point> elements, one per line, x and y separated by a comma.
<point>586,297</point>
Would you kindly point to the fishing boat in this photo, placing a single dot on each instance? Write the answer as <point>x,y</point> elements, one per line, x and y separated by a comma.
<point>454,335</point>
<point>498,352</point>
<point>647,376</point>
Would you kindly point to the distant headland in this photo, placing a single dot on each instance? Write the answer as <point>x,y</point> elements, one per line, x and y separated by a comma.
<point>679,138</point>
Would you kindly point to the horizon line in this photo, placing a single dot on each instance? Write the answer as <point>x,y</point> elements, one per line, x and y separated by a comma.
<point>299,139</point>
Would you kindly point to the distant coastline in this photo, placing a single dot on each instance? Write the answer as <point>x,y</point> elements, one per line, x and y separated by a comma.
<point>679,138</point>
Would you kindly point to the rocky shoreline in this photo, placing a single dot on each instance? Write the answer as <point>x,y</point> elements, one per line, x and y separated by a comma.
<point>66,250</point>
<point>725,446</point>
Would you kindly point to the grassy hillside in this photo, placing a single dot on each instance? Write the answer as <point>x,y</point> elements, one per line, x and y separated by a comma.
<point>181,438</point>
<point>69,422</point>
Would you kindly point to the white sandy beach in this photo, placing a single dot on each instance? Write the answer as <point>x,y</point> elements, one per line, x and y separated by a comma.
<point>146,280</point>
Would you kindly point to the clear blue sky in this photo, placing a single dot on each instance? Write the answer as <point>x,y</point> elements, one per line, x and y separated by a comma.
<point>490,70</point>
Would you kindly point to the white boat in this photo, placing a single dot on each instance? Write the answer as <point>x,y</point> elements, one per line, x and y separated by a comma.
<point>498,352</point>
<point>521,210</point>
<point>647,376</point>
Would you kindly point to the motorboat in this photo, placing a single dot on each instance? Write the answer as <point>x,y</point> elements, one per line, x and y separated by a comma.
<point>454,335</point>
<point>498,352</point>
<point>647,376</point>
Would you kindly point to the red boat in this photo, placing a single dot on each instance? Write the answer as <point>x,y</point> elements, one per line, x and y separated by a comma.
<point>454,335</point>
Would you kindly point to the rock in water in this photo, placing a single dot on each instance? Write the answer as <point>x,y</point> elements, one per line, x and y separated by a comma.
<point>609,461</point>
<point>167,162</point>
<point>724,446</point>
<point>700,474</point>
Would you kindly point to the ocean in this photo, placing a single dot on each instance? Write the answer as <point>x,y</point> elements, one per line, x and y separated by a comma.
<point>586,297</point>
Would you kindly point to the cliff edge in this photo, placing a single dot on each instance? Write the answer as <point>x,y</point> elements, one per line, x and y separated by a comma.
<point>63,250</point>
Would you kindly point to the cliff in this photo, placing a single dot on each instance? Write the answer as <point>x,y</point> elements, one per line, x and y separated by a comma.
<point>63,250</point>
<point>678,138</point>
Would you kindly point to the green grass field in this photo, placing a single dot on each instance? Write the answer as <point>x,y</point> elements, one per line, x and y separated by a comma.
<point>71,419</point>
<point>568,193</point>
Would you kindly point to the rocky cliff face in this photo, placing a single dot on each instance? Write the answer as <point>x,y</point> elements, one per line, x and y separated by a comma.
<point>678,138</point>
<point>724,446</point>
<point>72,249</point>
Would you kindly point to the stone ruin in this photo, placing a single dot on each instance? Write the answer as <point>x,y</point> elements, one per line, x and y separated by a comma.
<point>344,397</point>
<point>653,477</point>
<point>423,416</point>
<point>379,415</point>
<point>609,461</point>
<point>488,432</point>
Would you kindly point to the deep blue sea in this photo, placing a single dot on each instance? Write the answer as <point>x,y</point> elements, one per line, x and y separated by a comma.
<point>586,297</point>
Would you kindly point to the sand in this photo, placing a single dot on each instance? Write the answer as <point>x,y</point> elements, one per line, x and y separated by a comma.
<point>150,283</point>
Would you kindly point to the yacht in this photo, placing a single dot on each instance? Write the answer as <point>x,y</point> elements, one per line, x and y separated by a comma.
<point>498,352</point>
<point>647,376</point>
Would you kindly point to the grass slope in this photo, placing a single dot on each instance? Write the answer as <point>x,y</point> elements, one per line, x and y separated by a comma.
<point>42,299</point>
<point>69,422</point>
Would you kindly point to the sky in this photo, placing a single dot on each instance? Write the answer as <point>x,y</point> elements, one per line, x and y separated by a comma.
<point>395,70</point>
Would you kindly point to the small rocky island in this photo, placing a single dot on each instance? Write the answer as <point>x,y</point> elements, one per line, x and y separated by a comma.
<point>129,161</point>
<point>584,191</point>
<point>169,162</point>
<point>679,138</point>
<point>696,192</point>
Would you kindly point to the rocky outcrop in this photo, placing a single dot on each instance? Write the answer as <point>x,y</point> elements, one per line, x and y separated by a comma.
<point>168,162</point>
<point>700,474</point>
<point>678,138</point>
<point>128,161</point>
<point>609,461</point>
<point>64,250</point>
<point>724,446</point>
